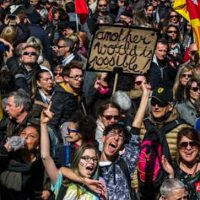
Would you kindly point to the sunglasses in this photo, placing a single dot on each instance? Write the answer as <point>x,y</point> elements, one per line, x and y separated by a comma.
<point>195,89</point>
<point>103,5</point>
<point>184,145</point>
<point>171,31</point>
<point>193,52</point>
<point>109,117</point>
<point>186,75</point>
<point>172,16</point>
<point>72,130</point>
<point>158,103</point>
<point>26,53</point>
<point>57,74</point>
<point>138,82</point>
<point>60,46</point>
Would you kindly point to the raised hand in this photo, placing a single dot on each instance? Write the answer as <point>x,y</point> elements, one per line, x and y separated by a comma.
<point>167,167</point>
<point>46,115</point>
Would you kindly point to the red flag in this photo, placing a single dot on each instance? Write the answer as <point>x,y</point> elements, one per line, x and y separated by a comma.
<point>82,10</point>
<point>190,9</point>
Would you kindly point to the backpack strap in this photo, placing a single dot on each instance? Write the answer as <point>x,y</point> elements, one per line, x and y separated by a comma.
<point>124,168</point>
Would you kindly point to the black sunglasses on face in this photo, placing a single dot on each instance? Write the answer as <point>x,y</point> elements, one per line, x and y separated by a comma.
<point>184,145</point>
<point>158,103</point>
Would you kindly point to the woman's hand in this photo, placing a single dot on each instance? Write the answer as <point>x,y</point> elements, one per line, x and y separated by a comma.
<point>95,186</point>
<point>167,167</point>
<point>46,115</point>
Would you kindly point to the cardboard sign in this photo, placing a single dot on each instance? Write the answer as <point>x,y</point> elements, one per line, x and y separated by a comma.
<point>131,49</point>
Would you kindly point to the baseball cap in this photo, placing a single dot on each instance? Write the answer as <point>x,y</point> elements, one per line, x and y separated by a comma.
<point>162,94</point>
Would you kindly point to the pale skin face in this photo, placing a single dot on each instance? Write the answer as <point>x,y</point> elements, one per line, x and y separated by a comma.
<point>29,59</point>
<point>63,50</point>
<point>102,6</point>
<point>75,79</point>
<point>178,194</point>
<point>173,19</point>
<point>31,136</point>
<point>138,82</point>
<point>161,51</point>
<point>149,11</point>
<point>188,154</point>
<point>112,144</point>
<point>88,163</point>
<point>109,112</point>
<point>11,108</point>
<point>194,95</point>
<point>159,112</point>
<point>185,77</point>
<point>172,33</point>
<point>45,83</point>
<point>73,136</point>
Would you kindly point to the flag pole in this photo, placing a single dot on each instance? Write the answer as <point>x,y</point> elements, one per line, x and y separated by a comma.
<point>77,29</point>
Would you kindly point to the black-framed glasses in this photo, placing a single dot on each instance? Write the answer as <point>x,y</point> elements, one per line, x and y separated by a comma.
<point>77,77</point>
<point>73,130</point>
<point>155,102</point>
<point>88,159</point>
<point>195,89</point>
<point>31,53</point>
<point>186,75</point>
<point>184,145</point>
<point>109,117</point>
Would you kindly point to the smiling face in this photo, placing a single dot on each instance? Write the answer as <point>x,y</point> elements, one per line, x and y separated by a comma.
<point>112,143</point>
<point>88,163</point>
<point>188,150</point>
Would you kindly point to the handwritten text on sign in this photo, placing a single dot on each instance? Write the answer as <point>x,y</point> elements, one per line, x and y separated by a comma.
<point>129,48</point>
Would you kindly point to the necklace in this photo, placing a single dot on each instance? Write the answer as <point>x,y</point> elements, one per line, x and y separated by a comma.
<point>189,170</point>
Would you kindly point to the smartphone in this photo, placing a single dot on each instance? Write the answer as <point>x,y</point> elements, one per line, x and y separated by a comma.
<point>11,17</point>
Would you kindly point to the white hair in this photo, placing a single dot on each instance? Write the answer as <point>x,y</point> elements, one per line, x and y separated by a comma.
<point>122,99</point>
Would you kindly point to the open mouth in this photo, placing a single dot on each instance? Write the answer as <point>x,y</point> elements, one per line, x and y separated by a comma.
<point>112,147</point>
<point>90,168</point>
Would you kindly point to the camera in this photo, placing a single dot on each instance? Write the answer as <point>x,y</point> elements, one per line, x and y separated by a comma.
<point>11,17</point>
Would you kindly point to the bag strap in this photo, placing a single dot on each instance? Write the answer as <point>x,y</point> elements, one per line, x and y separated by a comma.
<point>124,168</point>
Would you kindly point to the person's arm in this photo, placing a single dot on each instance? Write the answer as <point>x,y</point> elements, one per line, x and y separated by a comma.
<point>47,160</point>
<point>167,167</point>
<point>137,122</point>
<point>94,185</point>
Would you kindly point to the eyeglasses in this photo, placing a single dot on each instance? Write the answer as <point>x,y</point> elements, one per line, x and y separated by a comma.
<point>102,5</point>
<point>184,145</point>
<point>26,53</point>
<point>158,103</point>
<point>61,46</point>
<point>88,159</point>
<point>171,31</point>
<point>72,130</point>
<point>171,16</point>
<point>195,89</point>
<point>138,82</point>
<point>186,75</point>
<point>57,74</point>
<point>77,77</point>
<point>109,117</point>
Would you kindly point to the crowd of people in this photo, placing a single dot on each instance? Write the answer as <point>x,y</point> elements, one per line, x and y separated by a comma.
<point>65,134</point>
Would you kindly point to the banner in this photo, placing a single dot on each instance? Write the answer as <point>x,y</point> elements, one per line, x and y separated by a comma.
<point>130,49</point>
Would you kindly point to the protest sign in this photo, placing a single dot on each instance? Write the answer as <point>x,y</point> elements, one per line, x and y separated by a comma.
<point>131,49</point>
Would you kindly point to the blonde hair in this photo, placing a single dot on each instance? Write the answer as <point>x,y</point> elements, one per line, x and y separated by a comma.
<point>9,34</point>
<point>182,70</point>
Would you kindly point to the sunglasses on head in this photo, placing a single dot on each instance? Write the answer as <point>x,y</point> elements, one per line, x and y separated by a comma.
<point>184,145</point>
<point>155,102</point>
<point>195,89</point>
<point>109,117</point>
<point>186,75</point>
